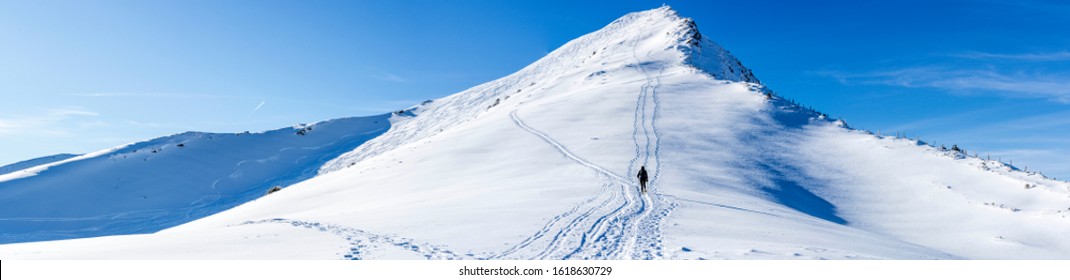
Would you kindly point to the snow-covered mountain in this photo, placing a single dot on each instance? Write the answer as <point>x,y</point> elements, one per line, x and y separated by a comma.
<point>540,165</point>
<point>34,162</point>
<point>160,183</point>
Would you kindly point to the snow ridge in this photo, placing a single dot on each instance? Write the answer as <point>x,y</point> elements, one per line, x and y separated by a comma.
<point>34,162</point>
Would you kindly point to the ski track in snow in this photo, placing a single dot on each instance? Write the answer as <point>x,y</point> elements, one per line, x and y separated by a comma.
<point>564,245</point>
<point>632,229</point>
<point>550,226</point>
<point>646,241</point>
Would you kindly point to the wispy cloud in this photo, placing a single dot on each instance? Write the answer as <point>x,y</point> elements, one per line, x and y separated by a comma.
<point>72,111</point>
<point>392,78</point>
<point>147,94</point>
<point>258,106</point>
<point>943,121</point>
<point>1056,121</point>
<point>46,122</point>
<point>143,124</point>
<point>987,81</point>
<point>1036,57</point>
<point>1038,141</point>
<point>383,75</point>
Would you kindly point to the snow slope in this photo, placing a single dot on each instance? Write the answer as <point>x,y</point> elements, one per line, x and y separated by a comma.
<point>540,165</point>
<point>152,185</point>
<point>34,162</point>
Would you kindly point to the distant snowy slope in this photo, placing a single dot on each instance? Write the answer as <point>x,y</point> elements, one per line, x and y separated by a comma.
<point>148,186</point>
<point>541,164</point>
<point>34,162</point>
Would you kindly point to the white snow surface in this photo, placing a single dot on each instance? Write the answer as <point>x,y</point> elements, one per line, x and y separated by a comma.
<point>34,162</point>
<point>148,186</point>
<point>541,165</point>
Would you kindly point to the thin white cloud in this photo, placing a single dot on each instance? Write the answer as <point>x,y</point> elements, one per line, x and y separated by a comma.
<point>1038,142</point>
<point>1034,57</point>
<point>258,106</point>
<point>10,125</point>
<point>988,81</point>
<point>143,124</point>
<point>379,74</point>
<point>47,122</point>
<point>944,120</point>
<point>72,111</point>
<point>93,125</point>
<point>1057,121</point>
<point>146,94</point>
<point>392,78</point>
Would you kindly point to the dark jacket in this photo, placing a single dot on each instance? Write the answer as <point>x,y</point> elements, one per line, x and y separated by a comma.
<point>642,174</point>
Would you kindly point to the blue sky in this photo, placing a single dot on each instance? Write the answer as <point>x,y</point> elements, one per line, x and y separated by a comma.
<point>79,76</point>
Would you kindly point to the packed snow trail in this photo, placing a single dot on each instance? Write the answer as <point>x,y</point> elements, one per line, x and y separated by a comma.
<point>632,229</point>
<point>646,232</point>
<point>571,230</point>
<point>612,235</point>
<point>591,205</point>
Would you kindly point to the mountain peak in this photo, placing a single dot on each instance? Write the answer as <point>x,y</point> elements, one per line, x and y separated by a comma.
<point>683,36</point>
<point>706,55</point>
<point>655,39</point>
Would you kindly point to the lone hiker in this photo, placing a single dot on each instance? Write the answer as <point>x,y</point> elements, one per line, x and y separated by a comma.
<point>642,178</point>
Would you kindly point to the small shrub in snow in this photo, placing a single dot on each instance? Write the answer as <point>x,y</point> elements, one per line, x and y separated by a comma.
<point>274,189</point>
